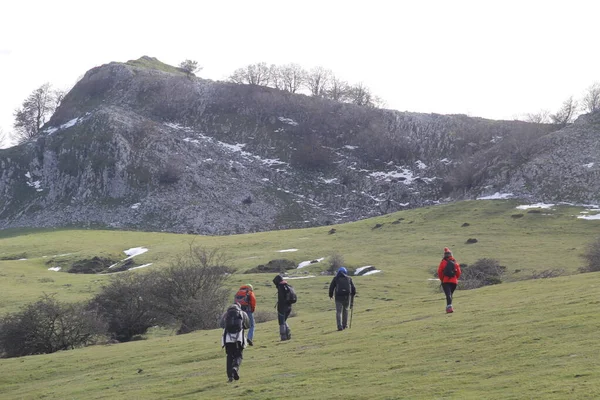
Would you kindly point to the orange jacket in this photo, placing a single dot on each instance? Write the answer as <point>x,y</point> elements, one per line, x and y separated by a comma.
<point>251,297</point>
<point>446,279</point>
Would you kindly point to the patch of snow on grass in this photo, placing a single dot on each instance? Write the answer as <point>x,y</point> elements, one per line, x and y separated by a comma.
<point>496,196</point>
<point>375,271</point>
<point>54,269</point>
<point>286,250</point>
<point>589,217</point>
<point>136,205</point>
<point>141,266</point>
<point>420,164</point>
<point>299,277</point>
<point>537,205</point>
<point>305,263</point>
<point>357,271</point>
<point>590,165</point>
<point>350,147</point>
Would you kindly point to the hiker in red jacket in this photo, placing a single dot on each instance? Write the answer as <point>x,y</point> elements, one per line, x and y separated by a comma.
<point>449,273</point>
<point>247,300</point>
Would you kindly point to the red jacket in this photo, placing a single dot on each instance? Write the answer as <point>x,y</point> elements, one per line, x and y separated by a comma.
<point>251,297</point>
<point>446,279</point>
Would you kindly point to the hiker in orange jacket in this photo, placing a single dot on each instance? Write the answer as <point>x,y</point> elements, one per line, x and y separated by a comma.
<point>247,301</point>
<point>449,277</point>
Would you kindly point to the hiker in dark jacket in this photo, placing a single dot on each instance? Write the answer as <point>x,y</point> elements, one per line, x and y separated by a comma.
<point>234,341</point>
<point>345,291</point>
<point>449,283</point>
<point>284,308</point>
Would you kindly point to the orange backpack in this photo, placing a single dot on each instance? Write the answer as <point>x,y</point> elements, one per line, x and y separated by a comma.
<point>242,297</point>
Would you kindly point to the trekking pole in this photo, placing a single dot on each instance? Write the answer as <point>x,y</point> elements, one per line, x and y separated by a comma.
<point>351,311</point>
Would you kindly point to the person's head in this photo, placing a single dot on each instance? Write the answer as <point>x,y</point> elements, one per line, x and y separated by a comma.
<point>278,278</point>
<point>447,252</point>
<point>249,286</point>
<point>235,305</point>
<point>342,270</point>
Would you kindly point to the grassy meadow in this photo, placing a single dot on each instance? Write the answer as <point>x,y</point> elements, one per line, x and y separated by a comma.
<point>523,339</point>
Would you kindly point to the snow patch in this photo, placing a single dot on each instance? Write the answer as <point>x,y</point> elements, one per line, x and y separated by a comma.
<point>141,266</point>
<point>537,205</point>
<point>589,217</point>
<point>286,250</point>
<point>496,196</point>
<point>350,147</point>
<point>420,164</point>
<point>590,165</point>
<point>375,271</point>
<point>288,121</point>
<point>34,184</point>
<point>388,176</point>
<point>299,277</point>
<point>305,263</point>
<point>357,270</point>
<point>54,269</point>
<point>136,206</point>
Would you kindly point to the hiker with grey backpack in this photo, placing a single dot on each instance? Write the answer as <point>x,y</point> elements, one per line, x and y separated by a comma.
<point>449,273</point>
<point>234,323</point>
<point>286,296</point>
<point>344,290</point>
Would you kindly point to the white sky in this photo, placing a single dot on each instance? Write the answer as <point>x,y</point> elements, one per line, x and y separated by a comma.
<point>493,59</point>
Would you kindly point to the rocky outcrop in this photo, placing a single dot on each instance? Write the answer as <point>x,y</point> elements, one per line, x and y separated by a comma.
<point>143,145</point>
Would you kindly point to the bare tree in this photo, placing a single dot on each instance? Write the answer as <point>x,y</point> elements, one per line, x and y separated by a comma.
<point>253,74</point>
<point>591,98</point>
<point>190,66</point>
<point>566,113</point>
<point>34,112</point>
<point>337,89</point>
<point>361,95</point>
<point>275,77</point>
<point>540,117</point>
<point>292,76</point>
<point>317,80</point>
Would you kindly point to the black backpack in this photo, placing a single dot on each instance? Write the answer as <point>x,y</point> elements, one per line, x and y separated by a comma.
<point>450,268</point>
<point>342,286</point>
<point>233,321</point>
<point>290,294</point>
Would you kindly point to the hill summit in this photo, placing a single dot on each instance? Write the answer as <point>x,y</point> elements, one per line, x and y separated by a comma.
<point>145,145</point>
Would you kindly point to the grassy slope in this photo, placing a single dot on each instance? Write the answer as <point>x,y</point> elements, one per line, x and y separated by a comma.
<point>530,339</point>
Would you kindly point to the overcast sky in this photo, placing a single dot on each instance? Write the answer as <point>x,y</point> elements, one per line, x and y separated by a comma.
<point>491,59</point>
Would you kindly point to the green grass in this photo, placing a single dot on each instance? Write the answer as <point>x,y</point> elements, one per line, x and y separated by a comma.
<point>153,63</point>
<point>523,339</point>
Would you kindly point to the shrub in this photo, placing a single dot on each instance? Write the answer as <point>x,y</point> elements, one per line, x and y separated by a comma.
<point>126,305</point>
<point>261,316</point>
<point>170,174</point>
<point>191,290</point>
<point>592,256</point>
<point>47,326</point>
<point>547,273</point>
<point>484,272</point>
<point>276,266</point>
<point>91,266</point>
<point>336,260</point>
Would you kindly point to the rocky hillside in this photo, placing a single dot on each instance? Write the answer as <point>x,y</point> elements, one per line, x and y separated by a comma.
<point>143,145</point>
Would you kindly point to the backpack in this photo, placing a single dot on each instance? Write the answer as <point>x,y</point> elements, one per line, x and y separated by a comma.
<point>233,321</point>
<point>242,297</point>
<point>342,287</point>
<point>290,294</point>
<point>450,268</point>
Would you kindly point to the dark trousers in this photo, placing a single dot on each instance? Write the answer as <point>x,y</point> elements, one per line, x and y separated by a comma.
<point>234,357</point>
<point>448,291</point>
<point>283,313</point>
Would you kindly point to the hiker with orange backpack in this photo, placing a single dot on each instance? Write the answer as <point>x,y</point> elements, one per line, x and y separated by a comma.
<point>247,301</point>
<point>449,273</point>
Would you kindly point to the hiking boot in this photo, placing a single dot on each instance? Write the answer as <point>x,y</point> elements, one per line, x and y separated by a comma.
<point>250,342</point>
<point>236,375</point>
<point>449,309</point>
<point>230,380</point>
<point>340,328</point>
<point>345,326</point>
